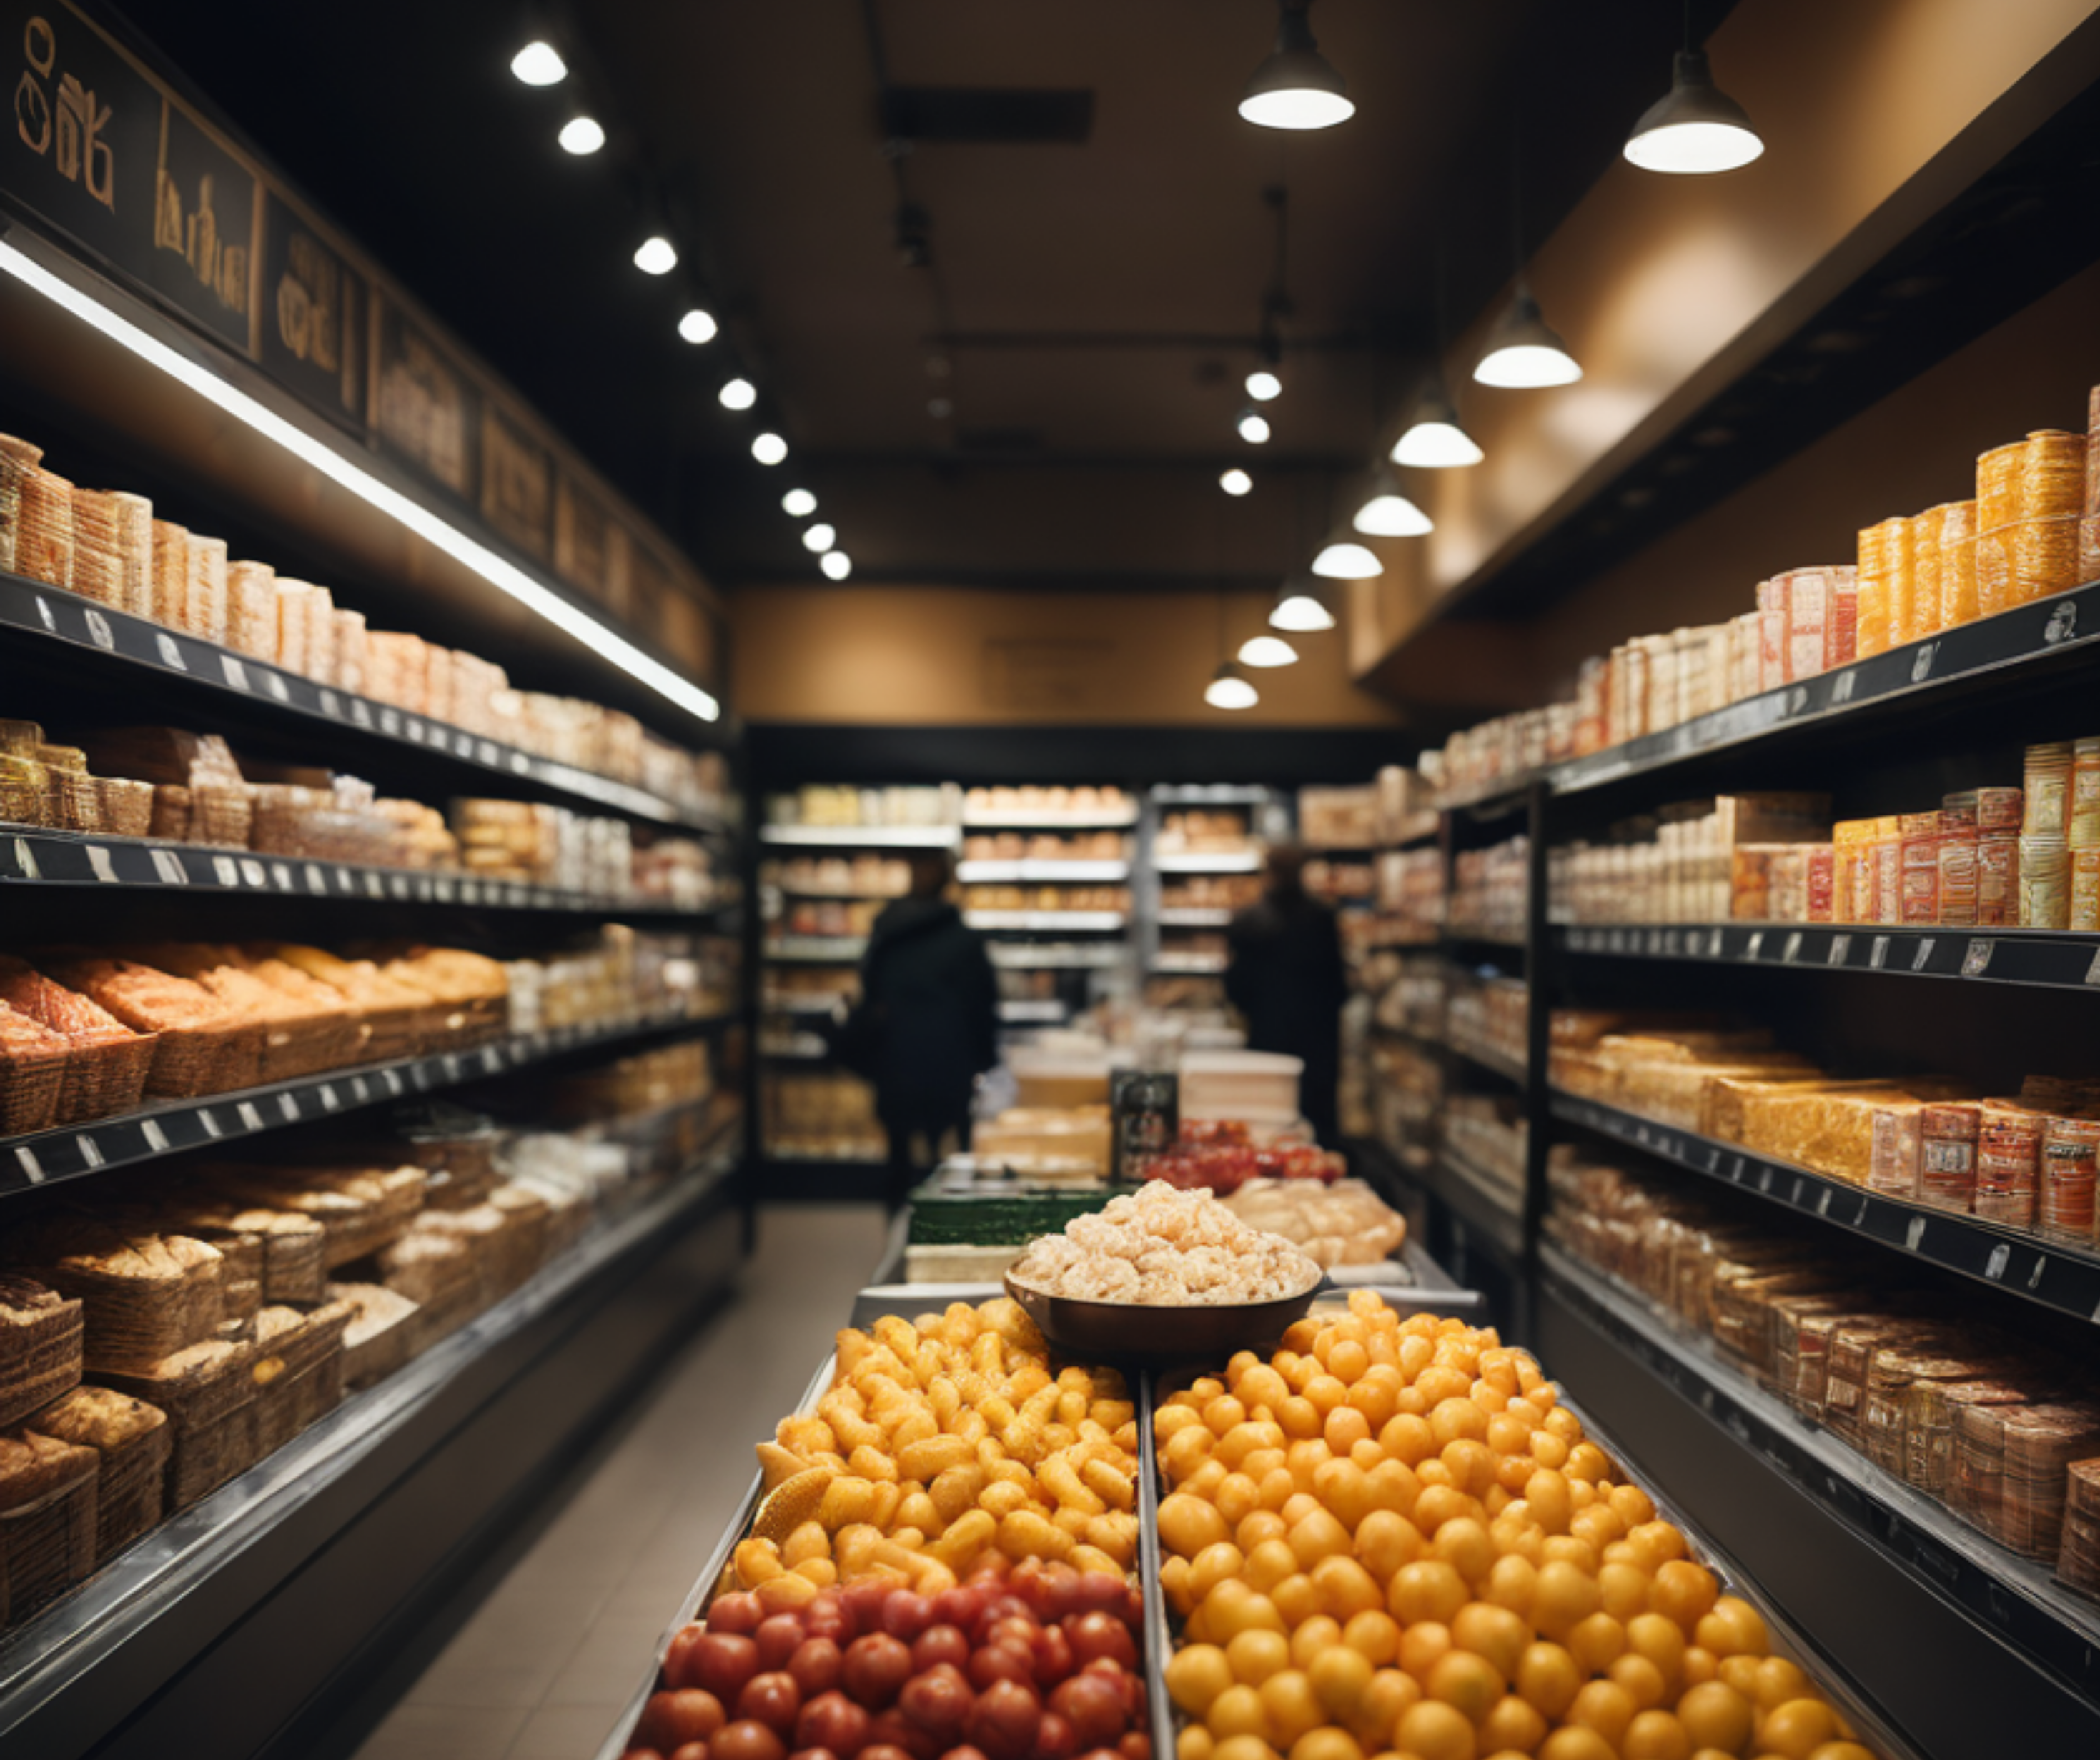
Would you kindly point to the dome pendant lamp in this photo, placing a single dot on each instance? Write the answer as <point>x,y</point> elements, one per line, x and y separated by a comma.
<point>1434,440</point>
<point>1524,352</point>
<point>1386,512</point>
<point>1297,87</point>
<point>1697,128</point>
<point>1302,607</point>
<point>1345,560</point>
<point>1228,689</point>
<point>1267,650</point>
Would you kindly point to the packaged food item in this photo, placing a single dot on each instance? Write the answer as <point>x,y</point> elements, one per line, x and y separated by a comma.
<point>204,588</point>
<point>1899,1129</point>
<point>97,574</point>
<point>46,1520</point>
<point>1880,548</point>
<point>1914,580</point>
<point>18,458</point>
<point>2018,564</point>
<point>43,538</point>
<point>1958,839</point>
<point>1998,881</point>
<point>1948,1134</point>
<point>1957,564</point>
<point>2069,1146</point>
<point>2040,477</point>
<point>2007,1163</point>
<point>251,609</point>
<point>40,1344</point>
<point>2045,881</point>
<point>171,573</point>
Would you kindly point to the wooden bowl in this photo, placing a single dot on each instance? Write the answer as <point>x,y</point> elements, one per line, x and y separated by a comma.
<point>1151,1335</point>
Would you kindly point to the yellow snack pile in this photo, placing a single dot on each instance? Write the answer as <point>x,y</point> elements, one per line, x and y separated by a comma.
<point>1390,1539</point>
<point>938,1438</point>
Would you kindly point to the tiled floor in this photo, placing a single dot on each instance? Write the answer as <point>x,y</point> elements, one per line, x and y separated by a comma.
<point>540,1669</point>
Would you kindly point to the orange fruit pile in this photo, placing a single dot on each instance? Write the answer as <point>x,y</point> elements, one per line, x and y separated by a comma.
<point>1391,1540</point>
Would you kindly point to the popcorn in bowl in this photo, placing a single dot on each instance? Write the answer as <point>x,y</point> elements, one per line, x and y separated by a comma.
<point>1165,1248</point>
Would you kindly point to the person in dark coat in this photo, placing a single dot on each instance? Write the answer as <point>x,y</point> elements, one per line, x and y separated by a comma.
<point>928,1017</point>
<point>1286,977</point>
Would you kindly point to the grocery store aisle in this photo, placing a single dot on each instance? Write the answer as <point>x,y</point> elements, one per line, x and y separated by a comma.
<point>539,1669</point>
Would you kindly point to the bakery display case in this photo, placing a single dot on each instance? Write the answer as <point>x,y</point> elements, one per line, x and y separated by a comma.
<point>371,1000</point>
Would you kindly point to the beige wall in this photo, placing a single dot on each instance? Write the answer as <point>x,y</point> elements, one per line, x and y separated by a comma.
<point>924,656</point>
<point>1874,112</point>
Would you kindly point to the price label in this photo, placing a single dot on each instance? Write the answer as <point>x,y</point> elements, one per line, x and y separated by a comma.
<point>486,750</point>
<point>331,704</point>
<point>330,1100</point>
<point>157,1139</point>
<point>361,712</point>
<point>1796,699</point>
<point>171,655</point>
<point>1976,958</point>
<point>234,672</point>
<point>1994,1267</point>
<point>33,1169</point>
<point>44,614</point>
<point>390,720</point>
<point>1843,685</point>
<point>226,870</point>
<point>100,632</point>
<point>1877,955</point>
<point>1755,945</point>
<point>274,683</point>
<point>414,729</point>
<point>1920,664</point>
<point>250,1118</point>
<point>209,1120</point>
<point>98,860</point>
<point>168,866</point>
<point>288,1104</point>
<point>280,877</point>
<point>360,1090</point>
<point>253,873</point>
<point>90,1151</point>
<point>1914,1235</point>
<point>1924,954</point>
<point>1791,951</point>
<point>1841,950</point>
<point>316,881</point>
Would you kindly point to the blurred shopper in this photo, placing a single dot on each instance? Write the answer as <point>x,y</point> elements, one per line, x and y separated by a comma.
<point>926,1022</point>
<point>1287,978</point>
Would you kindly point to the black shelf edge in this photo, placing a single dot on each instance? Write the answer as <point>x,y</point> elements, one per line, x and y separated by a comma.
<point>2051,959</point>
<point>75,1151</point>
<point>2017,1600</point>
<point>2002,649</point>
<point>30,857</point>
<point>2058,1278</point>
<point>1481,1058</point>
<point>1471,1197</point>
<point>259,690</point>
<point>61,1646</point>
<point>1463,935</point>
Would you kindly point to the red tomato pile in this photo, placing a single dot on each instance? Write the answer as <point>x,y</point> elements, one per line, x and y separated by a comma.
<point>1225,1166</point>
<point>1035,1662</point>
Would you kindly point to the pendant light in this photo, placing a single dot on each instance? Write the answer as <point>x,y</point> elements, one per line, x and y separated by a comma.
<point>1266,650</point>
<point>699,326</point>
<point>836,564</point>
<point>1263,385</point>
<point>799,503</point>
<point>1253,426</point>
<point>769,448</point>
<point>1434,440</point>
<point>1235,481</point>
<point>737,394</point>
<point>1302,607</point>
<point>581,135</point>
<point>1696,129</point>
<point>539,62</point>
<point>1229,689</point>
<point>1342,560</point>
<point>1525,352</point>
<point>1386,512</point>
<point>820,538</point>
<point>656,255</point>
<point>1297,87</point>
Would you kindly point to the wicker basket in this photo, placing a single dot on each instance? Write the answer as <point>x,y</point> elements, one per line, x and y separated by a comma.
<point>32,1067</point>
<point>206,1391</point>
<point>437,1272</point>
<point>106,1062</point>
<point>360,1209</point>
<point>386,1328</point>
<point>298,1370</point>
<point>127,807</point>
<point>146,1296</point>
<point>220,815</point>
<point>391,1013</point>
<point>299,1037</point>
<point>47,1515</point>
<point>204,1047</point>
<point>132,1440</point>
<point>26,790</point>
<point>40,1345</point>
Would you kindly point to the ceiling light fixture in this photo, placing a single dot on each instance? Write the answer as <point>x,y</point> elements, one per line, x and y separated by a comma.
<point>1235,481</point>
<point>581,136</point>
<point>819,538</point>
<point>1386,512</point>
<point>1266,650</point>
<point>1253,427</point>
<point>1344,561</point>
<point>1302,607</point>
<point>1262,385</point>
<point>699,325</point>
<point>1230,689</point>
<point>1524,352</point>
<point>539,63</point>
<point>836,564</point>
<point>799,503</point>
<point>1696,129</point>
<point>769,448</point>
<point>506,577</point>
<point>737,394</point>
<point>656,255</point>
<point>1297,87</point>
<point>1434,440</point>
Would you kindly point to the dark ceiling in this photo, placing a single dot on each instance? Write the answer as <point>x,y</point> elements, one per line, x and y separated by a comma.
<point>1048,400</point>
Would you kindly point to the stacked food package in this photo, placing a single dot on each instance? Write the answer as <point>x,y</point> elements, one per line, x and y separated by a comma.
<point>2032,530</point>
<point>107,546</point>
<point>2005,1434</point>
